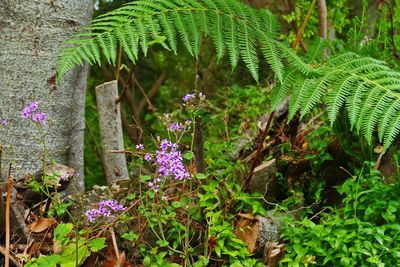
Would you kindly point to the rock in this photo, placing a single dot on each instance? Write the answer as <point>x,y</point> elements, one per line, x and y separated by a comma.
<point>256,231</point>
<point>264,181</point>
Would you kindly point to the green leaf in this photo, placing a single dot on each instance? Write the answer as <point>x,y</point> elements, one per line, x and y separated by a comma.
<point>176,204</point>
<point>69,255</point>
<point>44,261</point>
<point>218,250</point>
<point>188,155</point>
<point>162,243</point>
<point>131,196</point>
<point>201,176</point>
<point>97,244</point>
<point>62,230</point>
<point>131,236</point>
<point>144,178</point>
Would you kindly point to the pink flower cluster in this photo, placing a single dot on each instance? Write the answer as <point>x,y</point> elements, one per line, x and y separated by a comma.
<point>29,113</point>
<point>105,209</point>
<point>169,162</point>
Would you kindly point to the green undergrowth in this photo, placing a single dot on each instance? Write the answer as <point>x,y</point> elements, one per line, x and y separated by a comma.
<point>363,231</point>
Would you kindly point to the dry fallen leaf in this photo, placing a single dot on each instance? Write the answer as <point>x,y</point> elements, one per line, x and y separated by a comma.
<point>248,230</point>
<point>273,253</point>
<point>247,216</point>
<point>41,225</point>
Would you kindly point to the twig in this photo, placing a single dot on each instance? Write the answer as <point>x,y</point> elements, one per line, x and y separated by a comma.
<point>114,240</point>
<point>12,259</point>
<point>126,84</point>
<point>128,128</point>
<point>146,97</point>
<point>2,204</point>
<point>8,233</point>
<point>303,25</point>
<point>153,91</point>
<point>247,181</point>
<point>316,214</point>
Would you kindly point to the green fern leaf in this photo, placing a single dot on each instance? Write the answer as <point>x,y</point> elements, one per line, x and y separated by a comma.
<point>300,91</point>
<point>296,62</point>
<point>232,42</point>
<point>271,52</point>
<point>142,35</point>
<point>169,31</point>
<point>129,40</point>
<point>372,117</point>
<point>233,26</point>
<point>354,102</point>
<point>283,90</point>
<point>183,32</point>
<point>313,95</point>
<point>337,98</point>
<point>366,86</point>
<point>392,132</point>
<point>389,114</point>
<point>217,35</point>
<point>315,51</point>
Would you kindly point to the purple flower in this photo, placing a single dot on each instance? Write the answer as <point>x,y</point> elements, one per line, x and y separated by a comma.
<point>148,157</point>
<point>169,163</point>
<point>187,97</point>
<point>175,126</point>
<point>29,109</point>
<point>139,146</point>
<point>3,122</point>
<point>29,113</point>
<point>105,208</point>
<point>40,117</point>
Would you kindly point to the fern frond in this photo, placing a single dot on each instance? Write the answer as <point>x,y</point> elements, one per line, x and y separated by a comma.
<point>315,51</point>
<point>296,62</point>
<point>233,27</point>
<point>300,91</point>
<point>366,87</point>
<point>283,89</point>
<point>271,53</point>
<point>217,34</point>
<point>337,98</point>
<point>169,31</point>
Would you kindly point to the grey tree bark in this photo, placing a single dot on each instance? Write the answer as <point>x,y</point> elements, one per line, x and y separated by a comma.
<point>31,33</point>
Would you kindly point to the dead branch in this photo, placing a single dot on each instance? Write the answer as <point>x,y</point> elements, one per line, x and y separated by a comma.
<point>12,259</point>
<point>153,91</point>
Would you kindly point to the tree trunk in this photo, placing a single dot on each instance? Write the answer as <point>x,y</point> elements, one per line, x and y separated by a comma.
<point>111,132</point>
<point>31,35</point>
